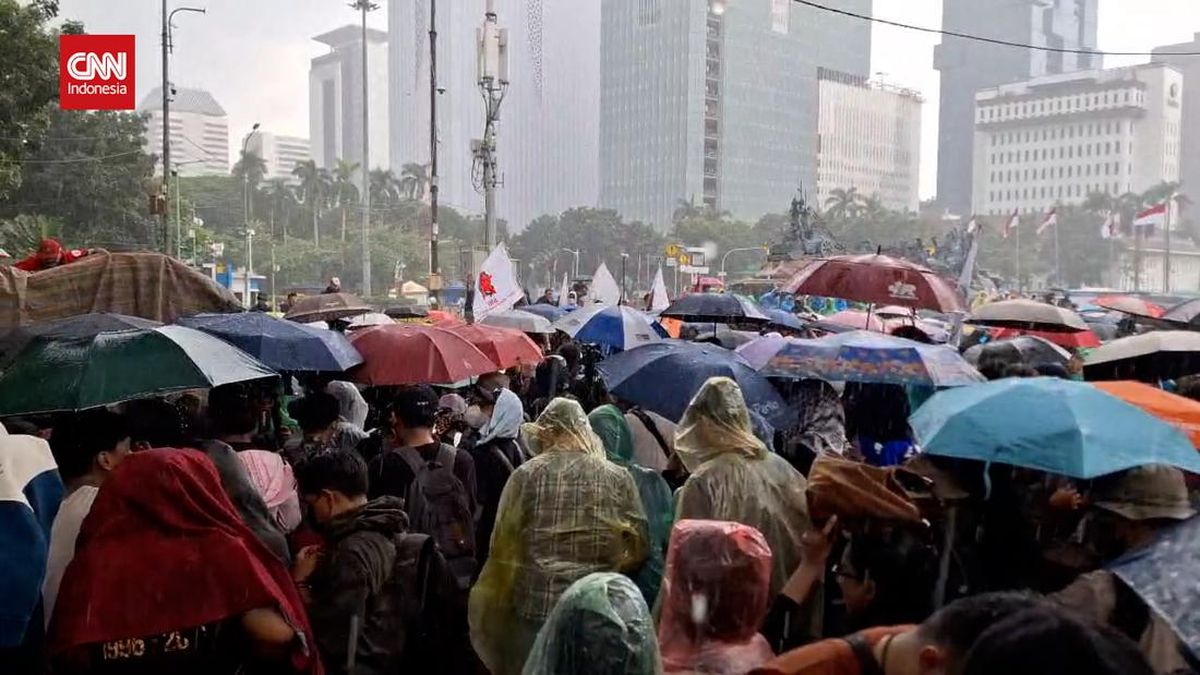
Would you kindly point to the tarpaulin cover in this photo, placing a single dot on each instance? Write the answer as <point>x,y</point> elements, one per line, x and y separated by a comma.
<point>148,285</point>
<point>564,514</point>
<point>734,477</point>
<point>716,594</point>
<point>849,489</point>
<point>614,431</point>
<point>600,626</point>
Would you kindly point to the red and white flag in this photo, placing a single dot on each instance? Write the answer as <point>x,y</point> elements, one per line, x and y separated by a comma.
<point>1014,221</point>
<point>1155,216</point>
<point>1111,229</point>
<point>1049,221</point>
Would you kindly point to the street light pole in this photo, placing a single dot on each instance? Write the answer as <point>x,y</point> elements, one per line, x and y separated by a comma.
<point>575,268</point>
<point>493,84</point>
<point>435,270</point>
<point>246,216</point>
<point>736,250</point>
<point>365,6</point>
<point>624,258</point>
<point>167,48</point>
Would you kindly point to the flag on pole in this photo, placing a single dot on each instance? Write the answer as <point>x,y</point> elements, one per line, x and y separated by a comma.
<point>1155,216</point>
<point>604,287</point>
<point>496,287</point>
<point>1049,221</point>
<point>658,293</point>
<point>1014,221</point>
<point>564,291</point>
<point>1111,228</point>
<point>972,225</point>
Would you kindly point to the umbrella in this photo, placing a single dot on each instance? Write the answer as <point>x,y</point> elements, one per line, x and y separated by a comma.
<point>326,307</point>
<point>1058,426</point>
<point>1185,313</point>
<point>859,320</point>
<point>369,319</point>
<point>547,312</point>
<point>1027,314</point>
<point>1130,305</point>
<point>714,308</point>
<point>1148,357</point>
<point>762,349</point>
<point>1072,340</point>
<point>1177,410</point>
<point>406,354</point>
<point>1163,574</point>
<point>894,312</point>
<point>784,319</point>
<point>618,327</point>
<point>282,345</point>
<point>444,319</point>
<point>1029,349</point>
<point>663,377</point>
<point>862,356</point>
<point>70,328</point>
<point>53,373</point>
<point>505,347</point>
<point>517,319</point>
<point>723,336</point>
<point>406,312</point>
<point>876,279</point>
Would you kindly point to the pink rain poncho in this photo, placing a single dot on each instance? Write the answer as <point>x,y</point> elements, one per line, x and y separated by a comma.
<point>715,596</point>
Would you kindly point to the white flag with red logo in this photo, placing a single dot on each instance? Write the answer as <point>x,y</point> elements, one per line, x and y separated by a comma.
<point>1155,216</point>
<point>1049,221</point>
<point>496,287</point>
<point>1014,221</point>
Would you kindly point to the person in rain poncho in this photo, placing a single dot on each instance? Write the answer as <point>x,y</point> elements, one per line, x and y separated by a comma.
<point>716,594</point>
<point>564,514</point>
<point>734,477</point>
<point>614,431</point>
<point>352,407</point>
<point>497,456</point>
<point>600,626</point>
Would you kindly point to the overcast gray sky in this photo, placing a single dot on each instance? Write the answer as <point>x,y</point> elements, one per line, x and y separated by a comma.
<point>253,55</point>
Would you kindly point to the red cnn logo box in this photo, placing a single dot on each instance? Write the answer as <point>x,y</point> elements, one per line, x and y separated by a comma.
<point>95,72</point>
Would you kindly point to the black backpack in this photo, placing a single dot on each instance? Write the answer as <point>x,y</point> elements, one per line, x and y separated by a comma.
<point>438,505</point>
<point>408,586</point>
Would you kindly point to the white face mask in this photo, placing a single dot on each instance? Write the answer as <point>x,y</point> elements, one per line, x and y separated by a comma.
<point>476,418</point>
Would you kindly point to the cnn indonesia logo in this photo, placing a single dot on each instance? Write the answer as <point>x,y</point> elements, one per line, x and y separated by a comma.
<point>96,72</point>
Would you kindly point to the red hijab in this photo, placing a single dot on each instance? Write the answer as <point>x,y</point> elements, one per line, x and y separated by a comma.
<point>163,549</point>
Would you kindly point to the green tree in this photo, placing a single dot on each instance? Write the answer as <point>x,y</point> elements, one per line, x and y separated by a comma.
<point>280,201</point>
<point>414,180</point>
<point>345,192</point>
<point>28,82</point>
<point>385,187</point>
<point>843,204</point>
<point>313,193</point>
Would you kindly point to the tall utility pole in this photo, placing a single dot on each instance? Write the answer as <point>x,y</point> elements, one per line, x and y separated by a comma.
<point>493,83</point>
<point>246,216</point>
<point>365,6</point>
<point>435,270</point>
<point>167,48</point>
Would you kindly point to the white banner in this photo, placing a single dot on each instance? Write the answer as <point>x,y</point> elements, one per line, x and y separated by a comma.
<point>496,287</point>
<point>563,292</point>
<point>604,286</point>
<point>658,293</point>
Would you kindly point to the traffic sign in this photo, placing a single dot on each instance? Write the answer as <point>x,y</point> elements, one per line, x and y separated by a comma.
<point>672,251</point>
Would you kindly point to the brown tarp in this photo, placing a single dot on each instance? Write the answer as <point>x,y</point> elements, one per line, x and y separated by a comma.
<point>149,285</point>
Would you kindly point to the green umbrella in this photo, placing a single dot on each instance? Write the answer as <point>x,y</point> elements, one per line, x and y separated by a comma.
<point>54,374</point>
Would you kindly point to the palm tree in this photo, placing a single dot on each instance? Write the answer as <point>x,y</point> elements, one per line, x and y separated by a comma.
<point>414,180</point>
<point>872,209</point>
<point>344,190</point>
<point>280,197</point>
<point>385,187</point>
<point>250,167</point>
<point>312,187</point>
<point>843,204</point>
<point>1099,203</point>
<point>686,209</point>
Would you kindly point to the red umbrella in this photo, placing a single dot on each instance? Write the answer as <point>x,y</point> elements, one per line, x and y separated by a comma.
<point>505,347</point>
<point>1073,340</point>
<point>443,319</point>
<point>1131,305</point>
<point>875,278</point>
<point>409,354</point>
<point>854,318</point>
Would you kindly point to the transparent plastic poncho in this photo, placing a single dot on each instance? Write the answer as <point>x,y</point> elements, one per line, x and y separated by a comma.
<point>600,626</point>
<point>734,477</point>
<point>566,513</point>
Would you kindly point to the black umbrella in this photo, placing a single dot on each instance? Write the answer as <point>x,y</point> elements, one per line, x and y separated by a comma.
<point>714,308</point>
<point>1186,313</point>
<point>1164,576</point>
<point>80,327</point>
<point>1028,349</point>
<point>406,312</point>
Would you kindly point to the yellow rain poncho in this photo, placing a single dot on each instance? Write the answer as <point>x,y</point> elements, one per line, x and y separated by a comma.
<point>600,626</point>
<point>734,477</point>
<point>564,514</point>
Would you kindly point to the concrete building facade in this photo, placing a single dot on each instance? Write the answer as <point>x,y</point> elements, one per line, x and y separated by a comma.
<point>335,98</point>
<point>868,138</point>
<point>199,132</point>
<point>281,154</point>
<point>1056,139</point>
<point>715,101</point>
<point>968,66</point>
<point>1189,170</point>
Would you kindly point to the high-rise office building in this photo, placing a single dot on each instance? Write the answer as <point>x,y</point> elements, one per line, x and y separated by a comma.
<point>968,66</point>
<point>715,101</point>
<point>199,132</point>
<point>335,101</point>
<point>281,154</point>
<point>1189,172</point>
<point>548,133</point>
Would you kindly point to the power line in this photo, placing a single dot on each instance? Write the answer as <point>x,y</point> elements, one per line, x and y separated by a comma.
<point>980,38</point>
<point>72,160</point>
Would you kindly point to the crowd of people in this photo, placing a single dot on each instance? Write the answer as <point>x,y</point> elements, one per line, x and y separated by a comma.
<point>531,524</point>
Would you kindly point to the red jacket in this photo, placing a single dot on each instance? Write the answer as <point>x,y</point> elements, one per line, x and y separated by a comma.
<point>48,252</point>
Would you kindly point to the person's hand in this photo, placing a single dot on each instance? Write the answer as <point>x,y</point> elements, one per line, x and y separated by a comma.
<point>306,563</point>
<point>816,545</point>
<point>1066,499</point>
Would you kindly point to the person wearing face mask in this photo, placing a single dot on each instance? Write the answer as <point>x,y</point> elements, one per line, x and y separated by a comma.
<point>497,454</point>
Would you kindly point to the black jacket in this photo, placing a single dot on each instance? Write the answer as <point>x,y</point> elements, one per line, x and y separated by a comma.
<point>494,463</point>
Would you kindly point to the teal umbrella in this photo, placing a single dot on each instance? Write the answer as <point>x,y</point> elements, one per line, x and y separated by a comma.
<point>1063,427</point>
<point>87,370</point>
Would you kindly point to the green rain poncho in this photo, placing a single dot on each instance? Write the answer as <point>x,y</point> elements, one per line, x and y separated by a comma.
<point>734,477</point>
<point>600,626</point>
<point>610,425</point>
<point>564,514</point>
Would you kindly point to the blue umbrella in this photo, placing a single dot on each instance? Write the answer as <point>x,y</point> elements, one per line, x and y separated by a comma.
<point>1164,575</point>
<point>1059,426</point>
<point>618,327</point>
<point>547,312</point>
<point>282,345</point>
<point>784,319</point>
<point>663,377</point>
<point>863,356</point>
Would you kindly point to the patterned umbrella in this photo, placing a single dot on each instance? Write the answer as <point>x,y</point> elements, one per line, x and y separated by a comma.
<point>862,356</point>
<point>877,279</point>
